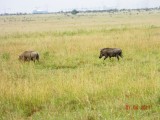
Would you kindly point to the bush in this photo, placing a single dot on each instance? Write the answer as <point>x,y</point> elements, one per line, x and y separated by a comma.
<point>6,56</point>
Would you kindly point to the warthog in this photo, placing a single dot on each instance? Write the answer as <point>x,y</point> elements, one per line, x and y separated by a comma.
<point>111,52</point>
<point>29,56</point>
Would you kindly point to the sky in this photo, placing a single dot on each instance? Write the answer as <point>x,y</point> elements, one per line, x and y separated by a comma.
<point>27,6</point>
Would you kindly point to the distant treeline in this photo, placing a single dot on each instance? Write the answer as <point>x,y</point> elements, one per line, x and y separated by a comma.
<point>74,11</point>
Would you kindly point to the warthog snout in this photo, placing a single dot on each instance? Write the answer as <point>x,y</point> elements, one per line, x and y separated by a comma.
<point>100,56</point>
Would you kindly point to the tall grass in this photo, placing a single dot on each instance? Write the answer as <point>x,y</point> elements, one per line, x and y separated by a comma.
<point>70,81</point>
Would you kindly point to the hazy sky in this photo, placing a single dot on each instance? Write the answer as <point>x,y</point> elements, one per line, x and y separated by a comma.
<point>13,6</point>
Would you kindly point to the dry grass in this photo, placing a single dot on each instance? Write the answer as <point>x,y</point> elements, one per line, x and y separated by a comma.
<point>70,81</point>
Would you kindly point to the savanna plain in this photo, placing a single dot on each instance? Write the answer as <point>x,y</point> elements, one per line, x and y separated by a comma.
<point>70,82</point>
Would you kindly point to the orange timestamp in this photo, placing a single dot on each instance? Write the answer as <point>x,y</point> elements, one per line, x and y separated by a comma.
<point>136,107</point>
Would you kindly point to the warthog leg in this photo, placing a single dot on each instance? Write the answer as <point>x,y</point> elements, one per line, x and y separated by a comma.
<point>105,57</point>
<point>34,59</point>
<point>117,57</point>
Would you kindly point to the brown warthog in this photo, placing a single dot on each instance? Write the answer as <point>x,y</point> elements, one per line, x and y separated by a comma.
<point>111,52</point>
<point>29,56</point>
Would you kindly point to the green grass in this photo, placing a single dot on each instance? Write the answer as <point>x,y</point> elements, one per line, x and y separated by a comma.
<point>70,81</point>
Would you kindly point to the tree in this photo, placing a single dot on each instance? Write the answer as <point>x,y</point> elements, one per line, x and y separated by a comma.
<point>74,12</point>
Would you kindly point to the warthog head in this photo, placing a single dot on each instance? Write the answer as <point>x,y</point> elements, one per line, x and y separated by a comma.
<point>21,57</point>
<point>101,55</point>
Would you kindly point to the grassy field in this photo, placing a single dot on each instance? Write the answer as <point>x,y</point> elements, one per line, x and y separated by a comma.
<point>70,82</point>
